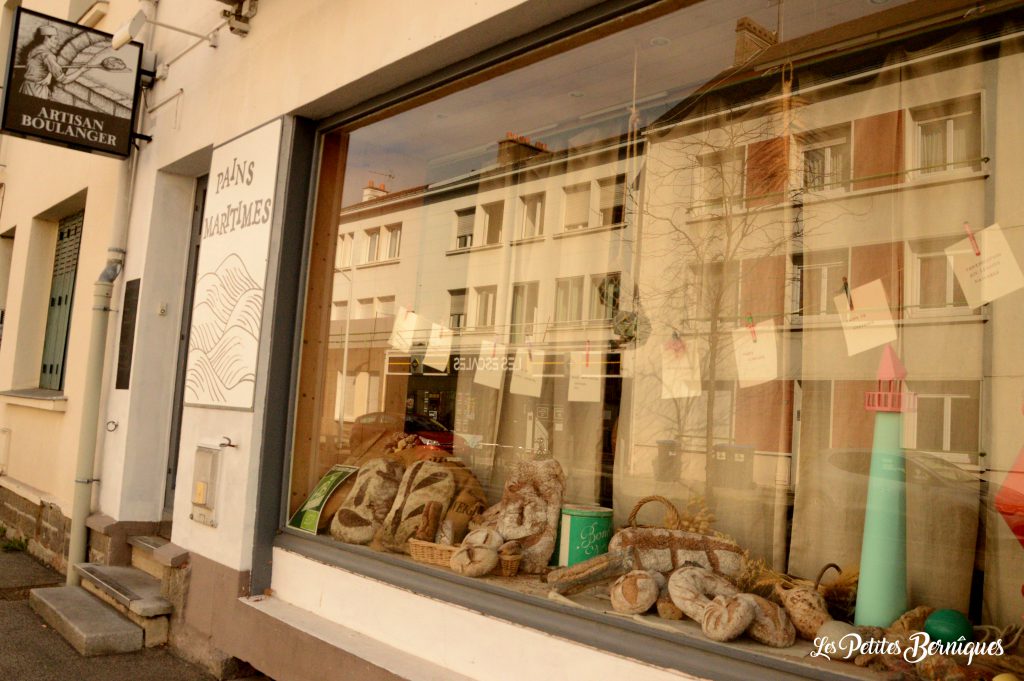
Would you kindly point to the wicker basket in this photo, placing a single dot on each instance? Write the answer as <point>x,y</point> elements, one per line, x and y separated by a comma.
<point>672,521</point>
<point>431,553</point>
<point>441,555</point>
<point>508,566</point>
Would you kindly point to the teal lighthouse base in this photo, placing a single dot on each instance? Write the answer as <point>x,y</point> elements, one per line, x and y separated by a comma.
<point>882,587</point>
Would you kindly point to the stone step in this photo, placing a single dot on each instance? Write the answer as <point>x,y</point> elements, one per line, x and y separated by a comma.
<point>134,589</point>
<point>87,624</point>
<point>143,548</point>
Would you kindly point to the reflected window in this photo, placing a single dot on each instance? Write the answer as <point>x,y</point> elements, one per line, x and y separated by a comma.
<point>494,218</point>
<point>533,216</point>
<point>933,287</point>
<point>949,135</point>
<point>577,207</point>
<point>524,310</point>
<point>364,308</point>
<point>947,417</point>
<point>486,303</point>
<point>372,245</point>
<point>604,296</point>
<point>819,278</point>
<point>569,299</point>
<point>613,200</point>
<point>457,309</point>
<point>386,306</point>
<point>343,258</point>
<point>394,236</point>
<point>464,227</point>
<point>719,180</point>
<point>826,159</point>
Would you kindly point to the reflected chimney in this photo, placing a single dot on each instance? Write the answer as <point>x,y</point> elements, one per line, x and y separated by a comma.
<point>751,39</point>
<point>372,191</point>
<point>515,148</point>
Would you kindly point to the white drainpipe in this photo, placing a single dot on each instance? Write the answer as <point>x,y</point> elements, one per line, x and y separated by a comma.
<point>85,462</point>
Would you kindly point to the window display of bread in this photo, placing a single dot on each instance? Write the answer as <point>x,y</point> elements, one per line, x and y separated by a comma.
<point>529,511</point>
<point>484,537</point>
<point>724,613</point>
<point>806,608</point>
<point>771,625</point>
<point>634,593</point>
<point>423,482</point>
<point>368,501</point>
<point>665,550</point>
<point>469,499</point>
<point>727,617</point>
<point>474,560</point>
<point>431,520</point>
<point>510,548</point>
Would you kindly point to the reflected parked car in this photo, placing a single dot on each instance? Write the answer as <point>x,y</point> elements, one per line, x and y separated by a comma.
<point>431,433</point>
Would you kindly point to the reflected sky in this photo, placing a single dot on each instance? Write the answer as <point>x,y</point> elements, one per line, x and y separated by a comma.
<point>580,96</point>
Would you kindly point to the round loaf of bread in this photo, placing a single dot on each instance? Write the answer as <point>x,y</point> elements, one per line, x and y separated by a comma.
<point>484,537</point>
<point>692,588</point>
<point>634,592</point>
<point>474,561</point>
<point>771,625</point>
<point>726,617</point>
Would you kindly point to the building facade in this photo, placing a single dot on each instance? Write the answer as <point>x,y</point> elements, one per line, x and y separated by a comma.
<point>656,243</point>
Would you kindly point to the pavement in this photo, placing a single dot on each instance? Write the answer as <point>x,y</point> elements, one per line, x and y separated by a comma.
<point>32,651</point>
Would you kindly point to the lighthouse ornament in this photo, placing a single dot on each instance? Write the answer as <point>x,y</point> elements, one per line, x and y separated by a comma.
<point>882,586</point>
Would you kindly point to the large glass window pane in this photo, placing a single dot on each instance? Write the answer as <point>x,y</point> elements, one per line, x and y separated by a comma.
<point>770,267</point>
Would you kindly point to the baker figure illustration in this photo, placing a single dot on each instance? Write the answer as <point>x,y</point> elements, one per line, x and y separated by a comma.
<point>42,67</point>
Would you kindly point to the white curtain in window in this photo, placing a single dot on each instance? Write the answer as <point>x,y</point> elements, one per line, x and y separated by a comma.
<point>933,146</point>
<point>963,132</point>
<point>577,206</point>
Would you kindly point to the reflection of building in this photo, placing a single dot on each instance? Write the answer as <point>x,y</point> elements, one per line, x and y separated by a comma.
<point>533,253</point>
<point>799,189</point>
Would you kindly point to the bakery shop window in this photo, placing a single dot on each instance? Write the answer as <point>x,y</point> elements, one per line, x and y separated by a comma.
<point>633,411</point>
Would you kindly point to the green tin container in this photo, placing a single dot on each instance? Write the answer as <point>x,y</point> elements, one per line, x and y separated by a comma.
<point>583,533</point>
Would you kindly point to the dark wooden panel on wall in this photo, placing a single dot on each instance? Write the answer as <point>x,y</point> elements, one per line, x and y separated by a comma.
<point>767,171</point>
<point>126,343</point>
<point>880,261</point>
<point>764,416</point>
<point>878,150</point>
<point>852,425</point>
<point>763,288</point>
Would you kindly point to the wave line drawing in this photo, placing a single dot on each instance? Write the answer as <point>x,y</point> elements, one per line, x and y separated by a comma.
<point>224,339</point>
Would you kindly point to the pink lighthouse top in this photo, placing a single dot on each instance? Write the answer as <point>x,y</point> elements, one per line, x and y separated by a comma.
<point>890,396</point>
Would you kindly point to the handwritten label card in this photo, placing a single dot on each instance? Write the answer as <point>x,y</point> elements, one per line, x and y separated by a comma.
<point>491,365</point>
<point>439,348</point>
<point>988,276</point>
<point>869,324</point>
<point>527,374</point>
<point>585,378</point>
<point>680,370</point>
<point>757,354</point>
<point>404,330</point>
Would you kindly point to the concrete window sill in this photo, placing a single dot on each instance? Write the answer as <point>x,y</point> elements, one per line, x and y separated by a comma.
<point>36,398</point>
